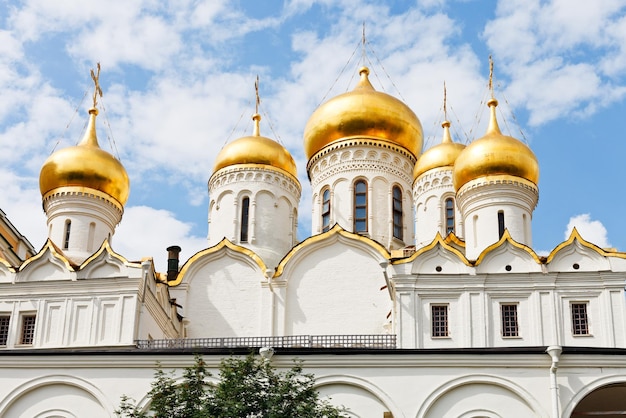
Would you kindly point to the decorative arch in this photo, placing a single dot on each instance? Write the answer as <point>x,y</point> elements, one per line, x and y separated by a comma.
<point>589,388</point>
<point>68,380</point>
<point>199,259</point>
<point>377,393</point>
<point>439,393</point>
<point>50,262</point>
<point>506,238</point>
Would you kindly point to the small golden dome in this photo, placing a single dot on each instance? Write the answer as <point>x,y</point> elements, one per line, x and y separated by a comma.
<point>256,149</point>
<point>86,165</point>
<point>441,155</point>
<point>495,154</point>
<point>363,112</point>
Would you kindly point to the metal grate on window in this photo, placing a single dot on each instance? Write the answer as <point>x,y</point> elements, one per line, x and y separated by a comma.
<point>28,329</point>
<point>509,320</point>
<point>4,329</point>
<point>439,320</point>
<point>580,323</point>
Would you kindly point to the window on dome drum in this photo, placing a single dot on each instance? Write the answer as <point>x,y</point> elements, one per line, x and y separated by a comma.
<point>449,215</point>
<point>245,212</point>
<point>360,206</point>
<point>580,322</point>
<point>397,213</point>
<point>27,336</point>
<point>4,328</point>
<point>501,226</point>
<point>66,240</point>
<point>508,315</point>
<point>439,320</point>
<point>325,210</point>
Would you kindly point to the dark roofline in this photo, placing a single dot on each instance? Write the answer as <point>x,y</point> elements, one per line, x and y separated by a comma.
<point>133,351</point>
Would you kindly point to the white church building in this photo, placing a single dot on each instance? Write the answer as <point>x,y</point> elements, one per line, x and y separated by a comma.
<point>418,295</point>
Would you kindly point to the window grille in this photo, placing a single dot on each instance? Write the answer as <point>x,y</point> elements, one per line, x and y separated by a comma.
<point>439,320</point>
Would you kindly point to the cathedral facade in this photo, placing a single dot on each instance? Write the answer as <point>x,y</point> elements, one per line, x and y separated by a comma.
<point>418,294</point>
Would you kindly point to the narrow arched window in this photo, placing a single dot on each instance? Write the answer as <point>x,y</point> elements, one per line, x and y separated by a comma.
<point>449,215</point>
<point>397,213</point>
<point>245,216</point>
<point>66,239</point>
<point>360,206</point>
<point>326,210</point>
<point>501,225</point>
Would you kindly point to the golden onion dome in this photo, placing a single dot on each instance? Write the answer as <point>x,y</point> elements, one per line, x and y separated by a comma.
<point>363,112</point>
<point>85,165</point>
<point>495,154</point>
<point>441,155</point>
<point>256,149</point>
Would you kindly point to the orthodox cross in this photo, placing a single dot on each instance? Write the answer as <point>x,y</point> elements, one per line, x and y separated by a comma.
<point>96,81</point>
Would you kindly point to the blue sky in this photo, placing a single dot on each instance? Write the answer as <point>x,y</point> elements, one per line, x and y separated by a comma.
<point>178,81</point>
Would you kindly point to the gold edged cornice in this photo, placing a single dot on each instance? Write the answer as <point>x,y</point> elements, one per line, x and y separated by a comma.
<point>105,247</point>
<point>336,230</point>
<point>438,241</point>
<point>506,237</point>
<point>56,252</point>
<point>223,244</point>
<point>7,265</point>
<point>500,179</point>
<point>575,236</point>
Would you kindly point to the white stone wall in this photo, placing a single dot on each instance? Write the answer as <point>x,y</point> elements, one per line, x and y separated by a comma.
<point>93,220</point>
<point>421,385</point>
<point>480,201</point>
<point>272,223</point>
<point>430,192</point>
<point>383,166</point>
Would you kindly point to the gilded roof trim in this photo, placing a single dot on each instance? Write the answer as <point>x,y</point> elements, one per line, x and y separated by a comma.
<point>506,237</point>
<point>575,236</point>
<point>334,231</point>
<point>87,191</point>
<point>7,265</point>
<point>105,247</point>
<point>57,253</point>
<point>438,241</point>
<point>452,238</point>
<point>224,243</point>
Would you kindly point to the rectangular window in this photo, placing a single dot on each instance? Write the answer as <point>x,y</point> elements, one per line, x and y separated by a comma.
<point>580,322</point>
<point>27,336</point>
<point>501,226</point>
<point>326,210</point>
<point>439,320</point>
<point>245,214</point>
<point>360,206</point>
<point>508,313</point>
<point>4,329</point>
<point>397,213</point>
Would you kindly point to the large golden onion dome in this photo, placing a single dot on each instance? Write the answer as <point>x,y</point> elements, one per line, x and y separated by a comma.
<point>363,112</point>
<point>495,154</point>
<point>85,165</point>
<point>441,155</point>
<point>256,149</point>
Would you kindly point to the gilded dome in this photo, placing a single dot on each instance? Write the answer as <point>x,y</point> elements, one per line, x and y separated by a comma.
<point>256,149</point>
<point>85,165</point>
<point>495,154</point>
<point>441,155</point>
<point>363,112</point>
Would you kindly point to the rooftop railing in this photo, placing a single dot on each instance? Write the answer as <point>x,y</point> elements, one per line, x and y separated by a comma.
<point>291,341</point>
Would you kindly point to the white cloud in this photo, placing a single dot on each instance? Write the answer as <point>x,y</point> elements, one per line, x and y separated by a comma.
<point>591,230</point>
<point>147,232</point>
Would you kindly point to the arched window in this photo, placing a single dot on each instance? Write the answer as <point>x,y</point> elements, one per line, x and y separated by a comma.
<point>397,213</point>
<point>325,210</point>
<point>449,215</point>
<point>245,216</point>
<point>501,225</point>
<point>66,240</point>
<point>360,206</point>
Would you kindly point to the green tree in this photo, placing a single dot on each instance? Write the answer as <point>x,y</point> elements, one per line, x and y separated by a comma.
<point>248,388</point>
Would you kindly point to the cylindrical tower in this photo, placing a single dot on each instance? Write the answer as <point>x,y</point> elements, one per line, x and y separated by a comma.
<point>436,210</point>
<point>496,180</point>
<point>83,189</point>
<point>361,148</point>
<point>254,194</point>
